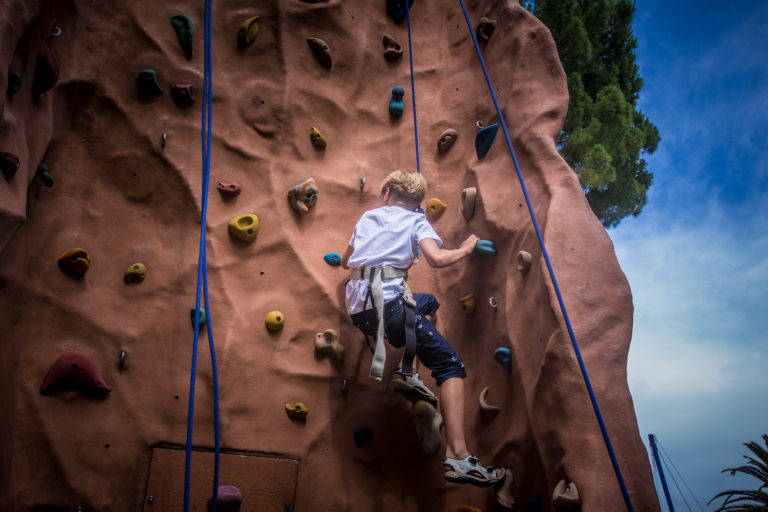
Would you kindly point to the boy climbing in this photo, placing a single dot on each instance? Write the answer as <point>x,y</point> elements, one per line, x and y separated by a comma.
<point>380,303</point>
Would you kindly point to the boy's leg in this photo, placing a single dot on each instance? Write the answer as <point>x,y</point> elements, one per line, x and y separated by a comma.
<point>452,398</point>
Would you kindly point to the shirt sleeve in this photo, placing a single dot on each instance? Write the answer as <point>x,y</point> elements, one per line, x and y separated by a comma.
<point>423,229</point>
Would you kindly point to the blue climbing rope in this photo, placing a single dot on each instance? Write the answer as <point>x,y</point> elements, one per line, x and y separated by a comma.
<point>413,86</point>
<point>575,344</point>
<point>202,280</point>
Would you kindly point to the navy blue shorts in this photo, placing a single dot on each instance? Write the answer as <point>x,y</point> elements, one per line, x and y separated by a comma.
<point>432,349</point>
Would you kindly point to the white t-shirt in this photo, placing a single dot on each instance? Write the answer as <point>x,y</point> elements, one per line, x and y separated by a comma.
<point>388,235</point>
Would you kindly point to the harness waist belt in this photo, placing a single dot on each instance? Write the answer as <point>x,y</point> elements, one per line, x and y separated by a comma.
<point>387,272</point>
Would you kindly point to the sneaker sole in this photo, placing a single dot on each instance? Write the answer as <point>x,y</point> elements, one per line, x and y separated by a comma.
<point>411,393</point>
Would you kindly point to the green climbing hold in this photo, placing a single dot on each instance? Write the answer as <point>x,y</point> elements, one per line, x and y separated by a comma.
<point>185,31</point>
<point>249,29</point>
<point>201,321</point>
<point>148,84</point>
<point>14,83</point>
<point>44,175</point>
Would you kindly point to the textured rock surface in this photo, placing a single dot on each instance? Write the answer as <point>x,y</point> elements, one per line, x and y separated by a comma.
<point>127,198</point>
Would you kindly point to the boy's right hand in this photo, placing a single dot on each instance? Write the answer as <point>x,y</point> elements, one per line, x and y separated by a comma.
<point>469,244</point>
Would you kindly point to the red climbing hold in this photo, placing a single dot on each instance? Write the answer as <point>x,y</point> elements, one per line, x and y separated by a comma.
<point>9,163</point>
<point>46,70</point>
<point>74,370</point>
<point>229,189</point>
<point>183,94</point>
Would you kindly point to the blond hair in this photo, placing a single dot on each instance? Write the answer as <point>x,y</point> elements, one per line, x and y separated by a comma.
<point>405,187</point>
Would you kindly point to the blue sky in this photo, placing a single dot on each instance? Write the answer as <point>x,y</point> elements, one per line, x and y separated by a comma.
<point>697,257</point>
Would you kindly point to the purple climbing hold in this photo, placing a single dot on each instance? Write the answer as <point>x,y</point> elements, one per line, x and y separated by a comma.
<point>9,163</point>
<point>183,94</point>
<point>228,499</point>
<point>46,70</point>
<point>74,370</point>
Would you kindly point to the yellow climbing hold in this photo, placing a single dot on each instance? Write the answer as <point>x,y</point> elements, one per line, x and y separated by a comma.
<point>297,410</point>
<point>244,227</point>
<point>468,303</point>
<point>135,273</point>
<point>75,261</point>
<point>275,321</point>
<point>435,209</point>
<point>248,31</point>
<point>317,138</point>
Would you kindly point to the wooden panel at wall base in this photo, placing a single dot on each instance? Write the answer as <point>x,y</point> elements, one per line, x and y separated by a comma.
<point>267,483</point>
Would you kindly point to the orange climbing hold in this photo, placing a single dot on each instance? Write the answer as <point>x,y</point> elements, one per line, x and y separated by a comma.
<point>435,209</point>
<point>76,261</point>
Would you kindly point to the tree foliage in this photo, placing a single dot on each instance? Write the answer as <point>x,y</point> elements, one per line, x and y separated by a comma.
<point>604,137</point>
<point>748,500</point>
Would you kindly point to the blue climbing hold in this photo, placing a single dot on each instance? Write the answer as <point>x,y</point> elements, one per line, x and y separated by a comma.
<point>485,247</point>
<point>535,504</point>
<point>397,10</point>
<point>396,105</point>
<point>362,436</point>
<point>503,356</point>
<point>484,139</point>
<point>333,259</point>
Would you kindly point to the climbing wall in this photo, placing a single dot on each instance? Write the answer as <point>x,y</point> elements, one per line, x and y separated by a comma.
<point>107,96</point>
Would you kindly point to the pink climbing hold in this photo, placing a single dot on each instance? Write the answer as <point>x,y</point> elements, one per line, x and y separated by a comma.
<point>9,163</point>
<point>228,499</point>
<point>229,189</point>
<point>46,70</point>
<point>183,94</point>
<point>74,370</point>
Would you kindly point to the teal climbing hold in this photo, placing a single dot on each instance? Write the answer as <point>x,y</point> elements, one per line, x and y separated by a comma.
<point>14,82</point>
<point>503,356</point>
<point>44,175</point>
<point>333,259</point>
<point>362,436</point>
<point>485,246</point>
<point>396,105</point>
<point>202,320</point>
<point>484,139</point>
<point>148,84</point>
<point>397,9</point>
<point>185,31</point>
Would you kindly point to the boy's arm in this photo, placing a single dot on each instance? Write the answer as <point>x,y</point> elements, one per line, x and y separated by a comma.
<point>437,257</point>
<point>345,257</point>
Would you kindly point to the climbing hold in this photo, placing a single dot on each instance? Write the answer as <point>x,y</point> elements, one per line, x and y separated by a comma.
<point>362,436</point>
<point>333,259</point>
<point>44,175</point>
<point>485,247</point>
<point>185,31</point>
<point>183,94</point>
<point>304,195</point>
<point>328,341</point>
<point>468,200</point>
<point>74,370</point>
<point>435,209</point>
<point>468,303</point>
<point>229,189</point>
<point>317,138</point>
<point>468,508</point>
<point>504,495</point>
<point>201,321</point>
<point>392,49</point>
<point>427,421</point>
<point>228,499</point>
<point>396,105</point>
<point>487,411</point>
<point>523,261</point>
<point>396,9</point>
<point>321,51</point>
<point>275,321</point>
<point>535,504</point>
<point>485,28</point>
<point>136,273</point>
<point>46,70</point>
<point>503,356</point>
<point>248,31</point>
<point>565,498</point>
<point>484,139</point>
<point>447,139</point>
<point>75,261</point>
<point>14,83</point>
<point>9,163</point>
<point>148,84</point>
<point>297,410</point>
<point>244,227</point>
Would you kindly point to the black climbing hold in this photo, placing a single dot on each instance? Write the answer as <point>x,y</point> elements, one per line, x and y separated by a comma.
<point>46,70</point>
<point>9,164</point>
<point>148,84</point>
<point>321,50</point>
<point>396,9</point>
<point>14,82</point>
<point>44,175</point>
<point>185,31</point>
<point>362,436</point>
<point>485,28</point>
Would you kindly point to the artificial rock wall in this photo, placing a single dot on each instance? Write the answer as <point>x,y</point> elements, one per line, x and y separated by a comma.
<point>126,194</point>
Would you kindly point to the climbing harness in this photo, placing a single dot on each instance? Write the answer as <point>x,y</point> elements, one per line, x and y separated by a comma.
<point>202,282</point>
<point>544,252</point>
